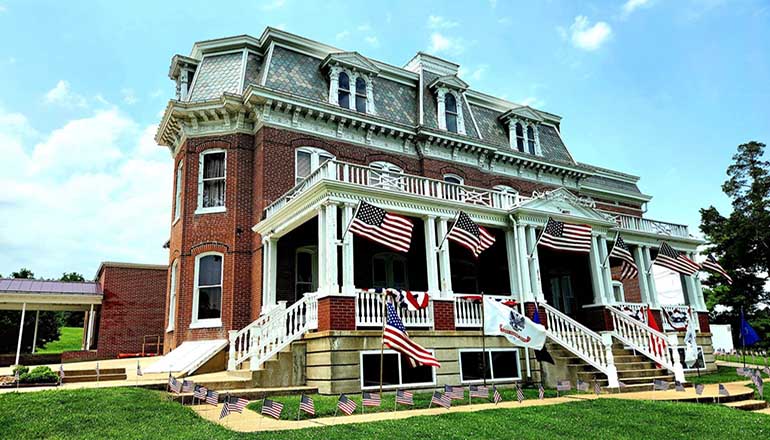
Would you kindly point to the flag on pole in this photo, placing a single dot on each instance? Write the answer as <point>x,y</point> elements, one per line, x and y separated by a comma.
<point>376,224</point>
<point>97,371</point>
<point>225,409</point>
<point>628,269</point>
<point>455,393</point>
<point>565,236</point>
<point>759,383</point>
<point>212,397</point>
<point>272,408</point>
<point>200,392</point>
<point>563,385</point>
<point>519,393</point>
<point>519,330</point>
<point>404,397</point>
<point>712,265</point>
<point>660,385</point>
<point>346,405</point>
<point>597,388</point>
<point>395,337</point>
<point>479,391</point>
<point>582,386</point>
<point>370,399</point>
<point>723,390</point>
<point>188,386</point>
<point>139,369</point>
<point>690,345</point>
<point>237,404</point>
<point>541,355</point>
<point>174,385</point>
<point>748,335</point>
<point>679,386</point>
<point>307,405</point>
<point>61,373</point>
<point>496,397</point>
<point>467,233</point>
<point>540,391</point>
<point>16,374</point>
<point>670,258</point>
<point>699,389</point>
<point>441,399</point>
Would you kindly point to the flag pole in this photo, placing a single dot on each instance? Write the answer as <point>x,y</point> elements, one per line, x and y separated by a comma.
<point>448,231</point>
<point>382,340</point>
<point>483,342</point>
<point>743,339</point>
<point>350,222</point>
<point>604,263</point>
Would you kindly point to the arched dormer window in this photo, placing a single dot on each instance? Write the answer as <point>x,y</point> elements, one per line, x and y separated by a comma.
<point>531,140</point>
<point>505,189</point>
<point>450,112</point>
<point>307,160</point>
<point>343,90</point>
<point>519,137</point>
<point>386,175</point>
<point>361,95</point>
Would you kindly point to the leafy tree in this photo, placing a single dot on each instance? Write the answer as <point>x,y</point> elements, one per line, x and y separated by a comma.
<point>23,273</point>
<point>72,319</point>
<point>72,276</point>
<point>741,243</point>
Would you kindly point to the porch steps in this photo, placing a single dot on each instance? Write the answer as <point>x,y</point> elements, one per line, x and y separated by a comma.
<point>747,405</point>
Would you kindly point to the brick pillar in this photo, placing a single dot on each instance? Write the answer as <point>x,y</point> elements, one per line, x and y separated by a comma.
<point>529,310</point>
<point>336,313</point>
<point>703,320</point>
<point>444,315</point>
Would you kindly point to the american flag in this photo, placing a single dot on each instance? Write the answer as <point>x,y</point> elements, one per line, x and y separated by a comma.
<point>670,258</point>
<point>628,269</point>
<point>272,408</point>
<point>699,389</point>
<point>212,397</point>
<point>622,385</point>
<point>767,370</point>
<point>174,385</point>
<point>138,370</point>
<point>97,371</point>
<point>370,399</point>
<point>582,386</point>
<point>404,397</point>
<point>759,383</point>
<point>660,385</point>
<point>391,230</point>
<point>712,265</point>
<point>306,404</point>
<point>479,391</point>
<point>679,386</point>
<point>200,392</point>
<point>225,409</point>
<point>540,391</point>
<point>496,397</point>
<point>519,393</point>
<point>61,372</point>
<point>395,337</point>
<point>237,404</point>
<point>563,385</point>
<point>346,405</point>
<point>467,233</point>
<point>740,371</point>
<point>597,388</point>
<point>456,393</point>
<point>566,236</point>
<point>441,399</point>
<point>16,375</point>
<point>723,391</point>
<point>188,386</point>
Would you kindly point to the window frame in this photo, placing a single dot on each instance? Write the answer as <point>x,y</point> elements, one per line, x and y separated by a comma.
<point>521,139</point>
<point>341,90</point>
<point>173,289</point>
<point>178,192</point>
<point>388,257</point>
<point>196,323</point>
<point>361,92</point>
<point>313,251</point>
<point>489,364</point>
<point>460,179</point>
<point>201,159</point>
<point>401,383</point>
<point>531,145</point>
<point>616,283</point>
<point>455,113</point>
<point>315,160</point>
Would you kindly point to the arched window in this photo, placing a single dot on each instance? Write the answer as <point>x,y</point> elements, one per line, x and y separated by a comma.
<point>505,189</point>
<point>386,175</point>
<point>453,178</point>
<point>343,90</point>
<point>450,109</point>
<point>389,269</point>
<point>307,160</point>
<point>519,137</point>
<point>360,95</point>
<point>531,139</point>
<point>207,294</point>
<point>305,271</point>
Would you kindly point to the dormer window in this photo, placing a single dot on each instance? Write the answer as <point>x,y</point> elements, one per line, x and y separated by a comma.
<point>343,90</point>
<point>450,112</point>
<point>531,139</point>
<point>360,95</point>
<point>519,137</point>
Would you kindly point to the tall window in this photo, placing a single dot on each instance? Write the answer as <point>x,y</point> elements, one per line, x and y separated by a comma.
<point>178,192</point>
<point>305,271</point>
<point>531,139</point>
<point>519,137</point>
<point>360,95</point>
<point>207,300</point>
<point>450,109</point>
<point>172,297</point>
<point>343,90</point>
<point>390,270</point>
<point>307,160</point>
<point>211,180</point>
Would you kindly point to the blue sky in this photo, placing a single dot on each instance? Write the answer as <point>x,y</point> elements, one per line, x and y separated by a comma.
<point>662,89</point>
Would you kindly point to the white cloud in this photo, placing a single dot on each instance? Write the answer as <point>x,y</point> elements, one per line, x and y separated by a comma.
<point>440,43</point>
<point>632,5</point>
<point>341,35</point>
<point>585,36</point>
<point>372,40</point>
<point>62,95</point>
<point>129,97</point>
<point>273,5</point>
<point>474,74</point>
<point>439,22</point>
<point>94,189</point>
<point>2,9</point>
<point>366,27</point>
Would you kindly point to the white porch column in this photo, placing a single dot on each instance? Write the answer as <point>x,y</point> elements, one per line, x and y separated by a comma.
<point>534,265</point>
<point>269,260</point>
<point>331,249</point>
<point>606,272</point>
<point>34,334</point>
<point>441,107</point>
<point>511,253</point>
<point>597,278</point>
<point>21,331</point>
<point>322,280</point>
<point>444,266</point>
<point>90,331</point>
<point>644,288</point>
<point>352,100</point>
<point>348,283</point>
<point>699,302</point>
<point>526,285</point>
<point>653,297</point>
<point>431,260</point>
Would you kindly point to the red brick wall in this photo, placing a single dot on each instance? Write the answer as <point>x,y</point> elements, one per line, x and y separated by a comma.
<point>133,307</point>
<point>336,313</point>
<point>444,315</point>
<point>596,318</point>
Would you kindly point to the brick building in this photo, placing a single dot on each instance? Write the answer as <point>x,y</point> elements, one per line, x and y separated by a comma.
<point>276,139</point>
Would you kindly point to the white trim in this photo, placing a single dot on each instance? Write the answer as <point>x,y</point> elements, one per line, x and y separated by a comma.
<point>401,383</point>
<point>453,176</point>
<point>489,351</point>
<point>268,60</point>
<point>473,118</point>
<point>614,284</point>
<point>178,191</point>
<point>315,159</point>
<point>200,209</point>
<point>208,322</point>
<point>173,289</point>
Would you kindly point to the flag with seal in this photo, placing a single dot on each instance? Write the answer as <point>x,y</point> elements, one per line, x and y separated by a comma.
<point>520,331</point>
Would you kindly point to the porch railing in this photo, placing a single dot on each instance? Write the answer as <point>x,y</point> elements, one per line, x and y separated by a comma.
<point>651,226</point>
<point>468,312</point>
<point>369,312</point>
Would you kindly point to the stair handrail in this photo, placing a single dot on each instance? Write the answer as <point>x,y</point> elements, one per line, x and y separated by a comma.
<point>586,344</point>
<point>653,344</point>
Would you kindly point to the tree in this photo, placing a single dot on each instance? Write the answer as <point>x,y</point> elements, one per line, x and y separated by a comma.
<point>23,273</point>
<point>72,319</point>
<point>71,276</point>
<point>741,243</point>
<point>48,328</point>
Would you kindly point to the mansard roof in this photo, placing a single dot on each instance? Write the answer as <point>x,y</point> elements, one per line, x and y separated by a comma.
<point>450,82</point>
<point>351,60</point>
<point>523,112</point>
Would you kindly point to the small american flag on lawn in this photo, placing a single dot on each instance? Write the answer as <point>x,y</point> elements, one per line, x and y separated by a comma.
<point>582,386</point>
<point>138,369</point>
<point>566,236</point>
<point>563,385</point>
<point>670,258</point>
<point>174,385</point>
<point>712,265</point>
<point>307,405</point>
<point>519,393</point>
<point>441,399</point>
<point>61,372</point>
<point>699,389</point>
<point>455,393</point>
<point>467,233</point>
<point>236,404</point>
<point>759,383</point>
<point>200,392</point>
<point>767,370</point>
<point>272,408</point>
<point>479,391</point>
<point>376,224</point>
<point>404,397</point>
<point>628,269</point>
<point>346,405</point>
<point>679,386</point>
<point>723,391</point>
<point>540,391</point>
<point>496,397</point>
<point>188,386</point>
<point>597,388</point>
<point>16,375</point>
<point>97,370</point>
<point>660,385</point>
<point>212,397</point>
<point>225,409</point>
<point>370,399</point>
<point>622,385</point>
<point>740,371</point>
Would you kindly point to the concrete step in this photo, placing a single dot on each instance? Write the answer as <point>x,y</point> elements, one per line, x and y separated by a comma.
<point>93,378</point>
<point>646,372</point>
<point>625,366</point>
<point>747,405</point>
<point>763,411</point>
<point>92,372</point>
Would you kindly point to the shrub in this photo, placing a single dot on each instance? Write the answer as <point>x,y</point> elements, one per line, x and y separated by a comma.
<point>41,374</point>
<point>21,369</point>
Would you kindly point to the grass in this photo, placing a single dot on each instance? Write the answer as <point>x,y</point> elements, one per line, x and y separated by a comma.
<point>728,374</point>
<point>754,360</point>
<point>129,413</point>
<point>71,338</point>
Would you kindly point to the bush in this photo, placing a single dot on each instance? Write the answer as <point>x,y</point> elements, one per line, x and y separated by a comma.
<point>41,374</point>
<point>21,369</point>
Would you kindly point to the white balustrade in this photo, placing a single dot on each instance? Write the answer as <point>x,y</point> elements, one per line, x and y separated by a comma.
<point>369,312</point>
<point>651,226</point>
<point>651,343</point>
<point>468,311</point>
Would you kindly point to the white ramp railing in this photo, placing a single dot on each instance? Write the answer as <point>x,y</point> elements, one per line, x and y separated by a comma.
<point>263,338</point>
<point>593,348</point>
<point>651,343</point>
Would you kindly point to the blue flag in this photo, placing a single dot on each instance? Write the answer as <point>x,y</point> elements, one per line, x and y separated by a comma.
<point>536,316</point>
<point>748,335</point>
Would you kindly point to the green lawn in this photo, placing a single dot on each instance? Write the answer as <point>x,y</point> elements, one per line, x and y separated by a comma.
<point>754,360</point>
<point>71,338</point>
<point>129,413</point>
<point>728,374</point>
